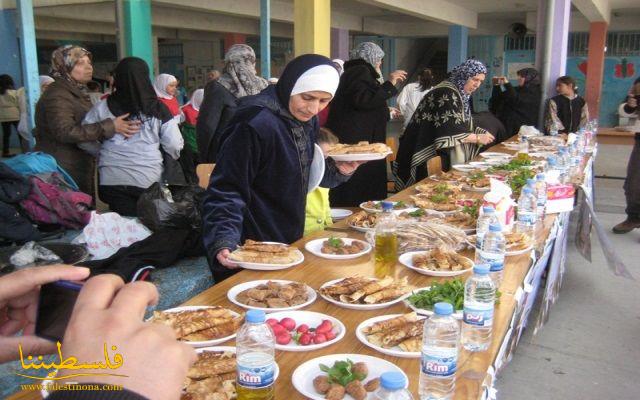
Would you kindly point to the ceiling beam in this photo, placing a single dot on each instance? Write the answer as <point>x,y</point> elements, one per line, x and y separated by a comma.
<point>594,10</point>
<point>432,10</point>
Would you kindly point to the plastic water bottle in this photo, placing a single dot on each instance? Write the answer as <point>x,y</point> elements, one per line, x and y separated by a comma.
<point>493,252</point>
<point>531,182</point>
<point>523,144</point>
<point>440,342</point>
<point>386,249</point>
<point>487,218</point>
<point>541,195</point>
<point>561,165</point>
<point>527,211</point>
<point>392,387</point>
<point>255,356</point>
<point>479,302</point>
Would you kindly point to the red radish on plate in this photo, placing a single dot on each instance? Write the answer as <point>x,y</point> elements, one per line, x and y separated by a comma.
<point>288,323</point>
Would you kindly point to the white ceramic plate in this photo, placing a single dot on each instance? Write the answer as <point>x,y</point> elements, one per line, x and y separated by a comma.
<point>315,247</point>
<point>464,167</point>
<point>312,319</point>
<point>359,306</point>
<point>339,213</point>
<point>480,164</point>
<point>493,154</point>
<point>360,157</point>
<point>316,171</point>
<point>422,311</point>
<point>204,343</point>
<point>234,291</point>
<point>518,252</point>
<point>232,349</point>
<point>304,375</point>
<point>407,260</point>
<point>475,189</point>
<point>379,210</point>
<point>269,267</point>
<point>393,351</point>
<point>511,145</point>
<point>362,229</point>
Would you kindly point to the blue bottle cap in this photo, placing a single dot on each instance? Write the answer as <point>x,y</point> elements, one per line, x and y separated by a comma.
<point>488,210</point>
<point>481,269</point>
<point>495,228</point>
<point>527,190</point>
<point>255,316</point>
<point>393,380</point>
<point>443,308</point>
<point>540,177</point>
<point>387,205</point>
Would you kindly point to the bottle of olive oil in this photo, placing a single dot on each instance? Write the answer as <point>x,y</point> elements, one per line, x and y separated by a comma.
<point>386,251</point>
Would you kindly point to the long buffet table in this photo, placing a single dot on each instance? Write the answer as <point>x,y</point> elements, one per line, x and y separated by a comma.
<point>476,371</point>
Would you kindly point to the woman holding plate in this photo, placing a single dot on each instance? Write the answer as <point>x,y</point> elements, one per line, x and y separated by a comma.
<point>259,186</point>
<point>442,126</point>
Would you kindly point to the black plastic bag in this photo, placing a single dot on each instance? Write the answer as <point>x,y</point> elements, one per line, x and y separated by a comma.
<point>182,210</point>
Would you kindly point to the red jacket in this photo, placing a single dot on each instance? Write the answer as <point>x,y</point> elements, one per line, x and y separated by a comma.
<point>190,115</point>
<point>172,105</point>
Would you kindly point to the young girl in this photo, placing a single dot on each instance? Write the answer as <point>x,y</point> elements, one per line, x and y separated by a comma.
<point>190,112</point>
<point>566,112</point>
<point>166,87</point>
<point>318,210</point>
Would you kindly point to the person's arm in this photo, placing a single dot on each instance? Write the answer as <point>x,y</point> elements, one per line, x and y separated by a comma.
<point>403,101</point>
<point>584,115</point>
<point>170,138</point>
<point>66,129</point>
<point>552,120</point>
<point>510,95</point>
<point>229,190</point>
<point>366,95</point>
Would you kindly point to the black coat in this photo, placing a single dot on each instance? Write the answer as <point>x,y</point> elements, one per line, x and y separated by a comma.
<point>216,110</point>
<point>516,106</point>
<point>359,112</point>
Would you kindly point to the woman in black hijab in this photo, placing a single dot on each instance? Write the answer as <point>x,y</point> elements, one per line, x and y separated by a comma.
<point>259,187</point>
<point>128,166</point>
<point>517,106</point>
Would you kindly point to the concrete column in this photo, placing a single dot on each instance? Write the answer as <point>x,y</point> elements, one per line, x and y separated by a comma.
<point>458,42</point>
<point>340,43</point>
<point>156,55</point>
<point>233,38</point>
<point>265,38</point>
<point>311,27</point>
<point>10,49</point>
<point>540,20</point>
<point>134,30</point>
<point>595,66</point>
<point>29,58</point>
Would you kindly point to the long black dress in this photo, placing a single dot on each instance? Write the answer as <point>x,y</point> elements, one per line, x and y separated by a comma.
<point>516,106</point>
<point>360,112</point>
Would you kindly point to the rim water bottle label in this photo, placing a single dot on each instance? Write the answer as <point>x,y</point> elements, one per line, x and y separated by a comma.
<point>439,362</point>
<point>256,377</point>
<point>495,260</point>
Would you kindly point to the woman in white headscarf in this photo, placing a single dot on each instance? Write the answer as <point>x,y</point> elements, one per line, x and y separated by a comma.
<point>191,111</point>
<point>359,112</point>
<point>238,80</point>
<point>166,87</point>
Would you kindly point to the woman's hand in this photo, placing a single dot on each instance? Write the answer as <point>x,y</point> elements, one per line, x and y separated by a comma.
<point>397,76</point>
<point>348,167</point>
<point>394,112</point>
<point>223,258</point>
<point>486,138</point>
<point>126,128</point>
<point>632,102</point>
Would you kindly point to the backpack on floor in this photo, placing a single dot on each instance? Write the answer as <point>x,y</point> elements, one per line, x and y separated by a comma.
<point>52,201</point>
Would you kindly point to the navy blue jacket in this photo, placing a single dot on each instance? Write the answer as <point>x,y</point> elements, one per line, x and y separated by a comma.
<point>258,188</point>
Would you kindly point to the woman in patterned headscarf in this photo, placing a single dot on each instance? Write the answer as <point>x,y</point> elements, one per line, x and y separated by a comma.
<point>517,106</point>
<point>442,126</point>
<point>61,109</point>
<point>238,80</point>
<point>359,112</point>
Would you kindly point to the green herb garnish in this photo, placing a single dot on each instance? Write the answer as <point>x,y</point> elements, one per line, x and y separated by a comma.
<point>439,198</point>
<point>399,204</point>
<point>417,213</point>
<point>335,242</point>
<point>342,372</point>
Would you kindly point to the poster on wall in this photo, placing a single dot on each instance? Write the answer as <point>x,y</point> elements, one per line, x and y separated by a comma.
<point>513,68</point>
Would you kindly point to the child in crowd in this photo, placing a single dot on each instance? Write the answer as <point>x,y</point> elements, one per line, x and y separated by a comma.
<point>190,112</point>
<point>166,87</point>
<point>566,112</point>
<point>318,211</point>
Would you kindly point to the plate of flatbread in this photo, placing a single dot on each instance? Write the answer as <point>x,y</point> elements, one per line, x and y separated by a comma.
<point>360,293</point>
<point>200,326</point>
<point>266,256</point>
<point>213,375</point>
<point>272,295</point>
<point>362,151</point>
<point>398,335</point>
